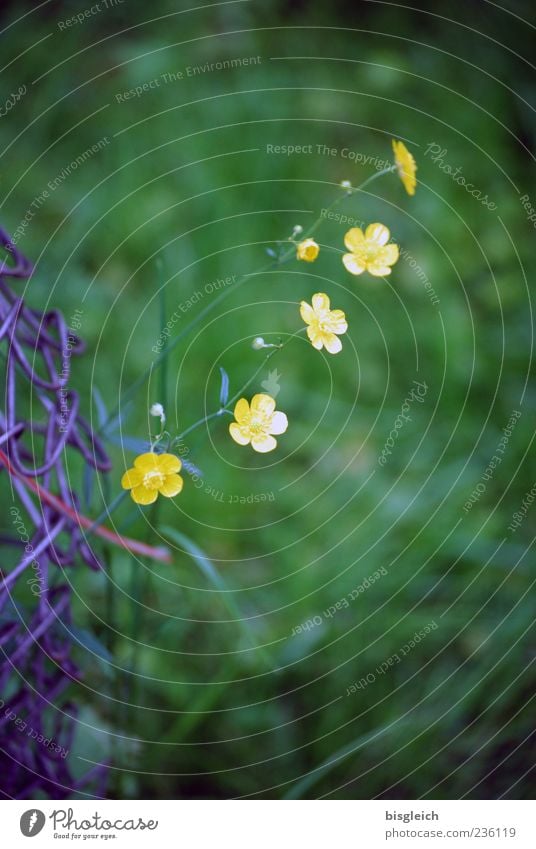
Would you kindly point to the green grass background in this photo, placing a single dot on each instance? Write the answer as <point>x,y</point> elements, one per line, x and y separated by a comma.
<point>193,685</point>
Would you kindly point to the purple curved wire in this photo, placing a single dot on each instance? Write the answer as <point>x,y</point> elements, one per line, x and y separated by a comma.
<point>39,425</point>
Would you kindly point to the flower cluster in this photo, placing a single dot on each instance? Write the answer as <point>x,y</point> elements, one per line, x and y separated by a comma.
<point>36,664</point>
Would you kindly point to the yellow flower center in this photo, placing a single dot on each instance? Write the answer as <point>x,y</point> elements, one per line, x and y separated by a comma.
<point>153,480</point>
<point>371,252</point>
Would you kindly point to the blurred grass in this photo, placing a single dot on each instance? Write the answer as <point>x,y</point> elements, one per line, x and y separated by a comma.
<point>188,181</point>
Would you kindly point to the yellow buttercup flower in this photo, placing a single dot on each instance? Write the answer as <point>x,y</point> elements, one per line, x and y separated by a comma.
<point>369,251</point>
<point>257,423</point>
<point>406,166</point>
<point>153,474</point>
<point>307,250</point>
<point>325,325</point>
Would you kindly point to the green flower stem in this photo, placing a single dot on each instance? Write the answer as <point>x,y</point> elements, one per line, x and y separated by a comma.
<point>215,415</point>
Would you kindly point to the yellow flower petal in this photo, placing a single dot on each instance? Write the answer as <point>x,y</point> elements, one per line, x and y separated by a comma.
<point>131,478</point>
<point>352,264</point>
<point>306,312</point>
<point>390,254</point>
<point>241,410</point>
<point>385,257</point>
<point>354,239</point>
<point>263,404</point>
<point>316,337</point>
<point>320,302</point>
<point>263,443</point>
<point>332,343</point>
<point>172,486</point>
<point>146,462</point>
<point>377,233</point>
<point>168,464</point>
<point>279,423</point>
<point>239,435</point>
<point>142,495</point>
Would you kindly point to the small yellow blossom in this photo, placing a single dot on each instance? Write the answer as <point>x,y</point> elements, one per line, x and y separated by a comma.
<point>406,166</point>
<point>307,250</point>
<point>369,251</point>
<point>153,474</point>
<point>257,423</point>
<point>325,325</point>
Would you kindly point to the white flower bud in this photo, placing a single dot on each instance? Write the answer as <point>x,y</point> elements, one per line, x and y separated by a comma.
<point>297,230</point>
<point>258,343</point>
<point>158,410</point>
<point>346,184</point>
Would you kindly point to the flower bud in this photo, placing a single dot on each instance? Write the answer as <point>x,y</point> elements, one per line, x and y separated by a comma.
<point>258,343</point>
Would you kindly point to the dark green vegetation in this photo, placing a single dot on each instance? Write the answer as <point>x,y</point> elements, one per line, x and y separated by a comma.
<point>201,691</point>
